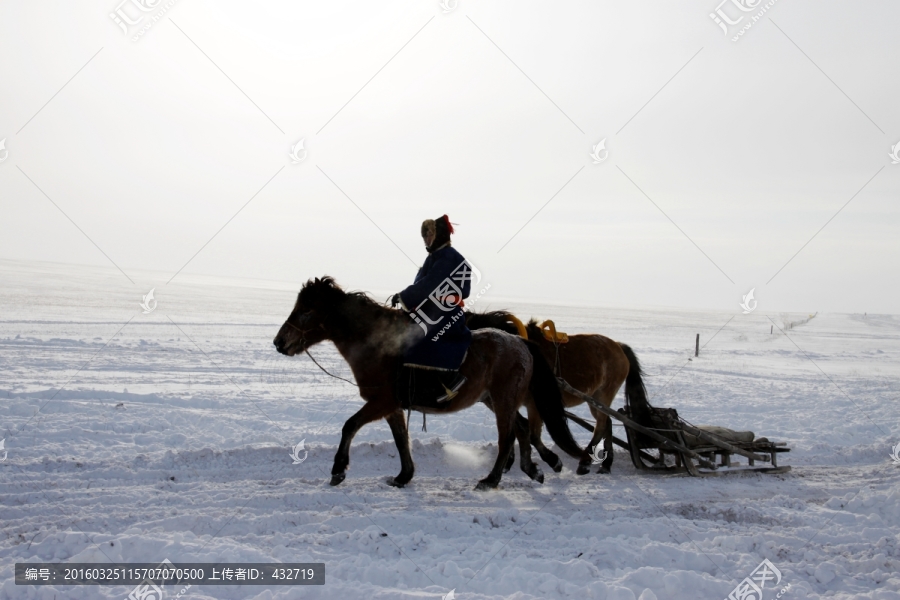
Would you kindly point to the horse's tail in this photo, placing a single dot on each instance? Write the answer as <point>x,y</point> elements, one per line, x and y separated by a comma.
<point>635,392</point>
<point>548,400</point>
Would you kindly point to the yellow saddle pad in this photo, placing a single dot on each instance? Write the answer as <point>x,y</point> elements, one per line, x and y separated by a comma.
<point>548,328</point>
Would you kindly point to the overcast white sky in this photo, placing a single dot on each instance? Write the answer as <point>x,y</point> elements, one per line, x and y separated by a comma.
<point>485,113</point>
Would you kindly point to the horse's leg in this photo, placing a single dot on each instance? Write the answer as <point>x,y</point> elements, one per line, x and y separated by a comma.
<point>528,466</point>
<point>512,455</point>
<point>535,426</point>
<point>606,465</point>
<point>506,444</point>
<point>606,398</point>
<point>506,433</point>
<point>401,437</point>
<point>371,411</point>
<point>584,465</point>
<point>521,427</point>
<point>602,429</point>
<point>505,404</point>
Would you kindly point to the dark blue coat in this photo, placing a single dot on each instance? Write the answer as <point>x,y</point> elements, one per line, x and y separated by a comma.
<point>434,302</point>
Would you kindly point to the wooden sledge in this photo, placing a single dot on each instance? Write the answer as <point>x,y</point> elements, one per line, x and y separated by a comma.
<point>709,455</point>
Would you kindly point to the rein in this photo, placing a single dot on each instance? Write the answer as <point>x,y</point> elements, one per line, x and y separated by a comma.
<point>324,370</point>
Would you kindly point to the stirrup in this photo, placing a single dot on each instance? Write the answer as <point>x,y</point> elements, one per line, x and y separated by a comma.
<point>451,392</point>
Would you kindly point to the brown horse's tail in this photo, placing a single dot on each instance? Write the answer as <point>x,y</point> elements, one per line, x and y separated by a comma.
<point>548,400</point>
<point>635,392</point>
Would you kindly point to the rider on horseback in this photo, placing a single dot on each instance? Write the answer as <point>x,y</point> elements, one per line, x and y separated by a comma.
<point>435,303</point>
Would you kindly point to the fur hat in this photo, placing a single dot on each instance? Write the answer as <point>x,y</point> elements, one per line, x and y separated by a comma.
<point>441,228</point>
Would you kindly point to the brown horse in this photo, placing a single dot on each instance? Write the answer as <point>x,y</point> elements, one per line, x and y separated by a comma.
<point>592,364</point>
<point>501,370</point>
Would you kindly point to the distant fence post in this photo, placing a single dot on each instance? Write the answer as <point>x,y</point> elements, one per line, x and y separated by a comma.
<point>771,329</point>
<point>697,346</point>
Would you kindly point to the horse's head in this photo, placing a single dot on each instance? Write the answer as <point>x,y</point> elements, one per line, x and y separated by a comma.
<point>307,323</point>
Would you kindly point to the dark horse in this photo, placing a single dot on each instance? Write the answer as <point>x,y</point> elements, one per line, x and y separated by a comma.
<point>592,364</point>
<point>501,369</point>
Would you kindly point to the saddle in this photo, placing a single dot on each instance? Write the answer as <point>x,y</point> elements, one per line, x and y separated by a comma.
<point>426,388</point>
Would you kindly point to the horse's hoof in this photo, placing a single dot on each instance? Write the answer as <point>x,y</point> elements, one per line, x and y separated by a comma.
<point>392,481</point>
<point>485,486</point>
<point>583,469</point>
<point>337,478</point>
<point>603,471</point>
<point>558,466</point>
<point>535,473</point>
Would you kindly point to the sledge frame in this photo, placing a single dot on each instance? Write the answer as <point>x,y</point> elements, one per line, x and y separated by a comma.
<point>713,457</point>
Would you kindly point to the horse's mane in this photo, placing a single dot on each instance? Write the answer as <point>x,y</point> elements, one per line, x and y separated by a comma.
<point>328,290</point>
<point>497,319</point>
<point>356,317</point>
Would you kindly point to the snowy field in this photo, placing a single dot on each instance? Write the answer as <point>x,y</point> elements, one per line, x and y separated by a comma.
<point>136,438</point>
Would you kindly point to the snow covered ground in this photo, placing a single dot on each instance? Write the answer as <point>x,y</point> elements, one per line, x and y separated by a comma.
<point>136,438</point>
